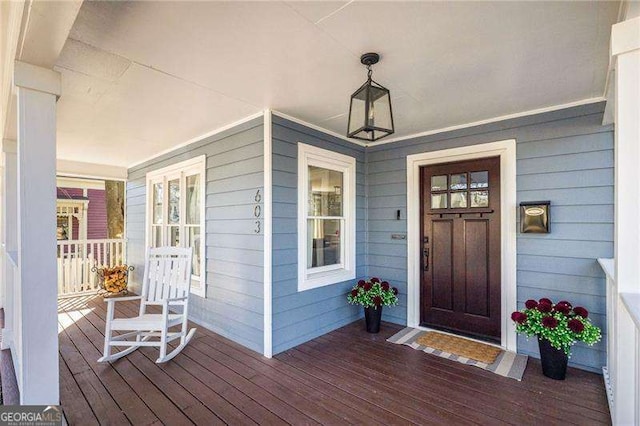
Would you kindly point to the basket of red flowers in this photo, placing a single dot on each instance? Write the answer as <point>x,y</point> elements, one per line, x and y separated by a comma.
<point>558,326</point>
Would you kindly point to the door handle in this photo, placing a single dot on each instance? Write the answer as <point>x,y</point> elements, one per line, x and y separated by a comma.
<point>425,255</point>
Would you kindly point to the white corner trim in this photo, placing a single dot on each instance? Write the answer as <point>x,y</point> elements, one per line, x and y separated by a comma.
<point>625,36</point>
<point>37,78</point>
<point>267,230</point>
<point>198,138</point>
<point>318,128</point>
<point>492,120</point>
<point>79,169</point>
<point>507,151</point>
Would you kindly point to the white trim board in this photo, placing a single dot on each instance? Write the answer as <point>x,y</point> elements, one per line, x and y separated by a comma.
<point>588,101</point>
<point>552,108</point>
<point>506,150</point>
<point>318,128</point>
<point>267,231</point>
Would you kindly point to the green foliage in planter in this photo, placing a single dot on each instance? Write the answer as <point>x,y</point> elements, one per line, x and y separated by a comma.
<point>561,324</point>
<point>373,293</point>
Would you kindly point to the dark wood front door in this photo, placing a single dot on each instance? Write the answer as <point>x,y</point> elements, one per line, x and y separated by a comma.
<point>460,230</point>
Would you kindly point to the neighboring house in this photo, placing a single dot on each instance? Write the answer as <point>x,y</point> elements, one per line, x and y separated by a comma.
<point>81,210</point>
<point>82,235</point>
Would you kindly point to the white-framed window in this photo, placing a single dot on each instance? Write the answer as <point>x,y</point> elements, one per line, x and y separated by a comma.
<point>326,217</point>
<point>176,213</point>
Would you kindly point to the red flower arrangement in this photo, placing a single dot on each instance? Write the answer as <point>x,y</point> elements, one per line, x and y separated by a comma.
<point>373,293</point>
<point>561,323</point>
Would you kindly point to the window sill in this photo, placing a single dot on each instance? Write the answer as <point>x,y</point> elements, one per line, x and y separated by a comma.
<point>322,279</point>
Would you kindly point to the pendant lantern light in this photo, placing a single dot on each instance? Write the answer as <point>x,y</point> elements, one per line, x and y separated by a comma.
<point>370,116</point>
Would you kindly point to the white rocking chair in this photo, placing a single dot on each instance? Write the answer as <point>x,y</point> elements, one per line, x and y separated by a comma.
<point>166,282</point>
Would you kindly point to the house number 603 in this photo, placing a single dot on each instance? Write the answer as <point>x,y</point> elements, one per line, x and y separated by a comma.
<point>257,211</point>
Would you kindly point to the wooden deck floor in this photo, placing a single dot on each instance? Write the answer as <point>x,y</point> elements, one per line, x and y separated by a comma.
<point>344,377</point>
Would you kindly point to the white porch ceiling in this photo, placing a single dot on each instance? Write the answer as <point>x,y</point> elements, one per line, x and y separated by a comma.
<point>141,77</point>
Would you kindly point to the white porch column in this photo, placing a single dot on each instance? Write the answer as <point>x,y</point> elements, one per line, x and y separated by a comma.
<point>36,298</point>
<point>9,234</point>
<point>625,50</point>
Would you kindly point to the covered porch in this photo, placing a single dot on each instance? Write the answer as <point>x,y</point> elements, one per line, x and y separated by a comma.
<point>345,376</point>
<point>232,145</point>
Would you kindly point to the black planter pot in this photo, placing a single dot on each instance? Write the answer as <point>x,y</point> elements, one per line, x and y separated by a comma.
<point>554,361</point>
<point>372,317</point>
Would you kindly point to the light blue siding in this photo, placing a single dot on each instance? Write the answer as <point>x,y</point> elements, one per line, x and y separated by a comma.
<point>234,303</point>
<point>301,316</point>
<point>564,156</point>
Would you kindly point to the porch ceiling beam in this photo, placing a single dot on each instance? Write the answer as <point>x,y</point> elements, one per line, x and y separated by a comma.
<point>80,169</point>
<point>46,26</point>
<point>11,18</point>
<point>35,33</point>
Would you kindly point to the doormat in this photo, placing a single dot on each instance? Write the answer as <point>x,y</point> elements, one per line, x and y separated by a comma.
<point>505,363</point>
<point>459,346</point>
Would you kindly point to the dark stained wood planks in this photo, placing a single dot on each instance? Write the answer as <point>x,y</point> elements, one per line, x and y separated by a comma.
<point>344,377</point>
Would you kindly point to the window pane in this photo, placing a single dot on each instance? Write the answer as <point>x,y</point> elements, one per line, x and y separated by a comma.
<point>193,200</point>
<point>358,102</point>
<point>63,228</point>
<point>480,179</point>
<point>439,201</point>
<point>173,210</point>
<point>458,182</point>
<point>380,109</point>
<point>156,236</point>
<point>479,198</point>
<point>194,242</point>
<point>439,183</point>
<point>174,236</point>
<point>158,195</point>
<point>323,242</point>
<point>325,192</point>
<point>458,200</point>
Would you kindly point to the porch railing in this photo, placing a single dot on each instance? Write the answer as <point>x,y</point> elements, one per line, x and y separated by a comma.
<point>76,258</point>
<point>622,372</point>
<point>609,371</point>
